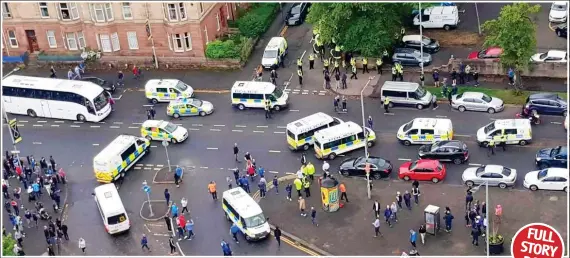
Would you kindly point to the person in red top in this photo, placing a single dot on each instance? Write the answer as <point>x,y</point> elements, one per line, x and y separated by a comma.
<point>19,171</point>
<point>61,174</point>
<point>136,72</point>
<point>182,221</point>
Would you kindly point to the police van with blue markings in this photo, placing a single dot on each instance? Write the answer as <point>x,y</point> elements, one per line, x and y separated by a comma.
<point>241,209</point>
<point>120,155</point>
<point>342,138</point>
<point>165,90</point>
<point>252,94</point>
<point>300,133</point>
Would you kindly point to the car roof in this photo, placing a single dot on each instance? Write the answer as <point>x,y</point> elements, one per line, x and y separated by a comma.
<point>557,53</point>
<point>427,162</point>
<point>152,83</point>
<point>155,123</point>
<point>274,43</point>
<point>560,172</point>
<point>543,95</point>
<point>493,51</point>
<point>472,94</point>
<point>452,143</point>
<point>404,50</point>
<point>415,37</point>
<point>560,3</point>
<point>494,168</point>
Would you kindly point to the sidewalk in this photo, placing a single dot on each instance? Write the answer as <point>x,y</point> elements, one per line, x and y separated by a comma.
<point>349,231</point>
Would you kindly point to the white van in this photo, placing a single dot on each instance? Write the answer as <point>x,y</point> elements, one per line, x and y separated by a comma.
<point>341,138</point>
<point>111,208</point>
<point>166,90</point>
<point>252,94</point>
<point>120,155</point>
<point>274,53</point>
<point>425,130</point>
<point>406,94</point>
<point>438,17</point>
<point>518,131</point>
<point>240,208</point>
<point>300,133</point>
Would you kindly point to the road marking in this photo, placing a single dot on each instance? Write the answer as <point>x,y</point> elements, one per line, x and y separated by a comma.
<point>259,131</point>
<point>77,122</point>
<point>556,123</point>
<point>149,165</point>
<point>153,146</point>
<point>273,172</point>
<point>139,165</point>
<point>282,33</point>
<point>204,167</point>
<point>42,121</point>
<point>20,124</point>
<point>304,93</point>
<point>462,135</point>
<point>160,166</point>
<point>118,123</point>
<point>474,164</point>
<point>239,131</point>
<point>322,94</point>
<point>262,126</point>
<point>289,173</point>
<point>219,125</point>
<point>241,126</point>
<point>274,151</point>
<point>36,143</point>
<point>137,123</point>
<point>58,121</point>
<point>23,121</point>
<point>38,125</point>
<point>137,168</point>
<point>178,124</point>
<point>76,126</point>
<point>193,129</point>
<point>95,126</point>
<point>118,97</point>
<point>404,159</point>
<point>296,90</point>
<point>116,127</point>
<point>54,125</point>
<point>211,148</point>
<point>441,116</point>
<point>197,125</point>
<point>278,132</point>
<point>216,130</point>
<point>341,155</point>
<point>148,105</point>
<point>282,127</point>
<point>133,127</point>
<point>390,114</point>
<point>157,169</point>
<point>95,144</point>
<point>293,110</point>
<point>305,90</point>
<point>551,27</point>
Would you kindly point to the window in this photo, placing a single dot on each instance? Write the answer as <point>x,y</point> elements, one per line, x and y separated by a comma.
<point>510,131</point>
<point>182,11</point>
<point>412,132</point>
<point>103,12</point>
<point>127,12</point>
<point>6,10</point>
<point>105,43</point>
<point>109,11</point>
<point>44,12</point>
<point>161,90</point>
<point>71,41</point>
<point>81,40</point>
<point>115,41</point>
<point>187,41</point>
<point>68,11</point>
<point>428,131</point>
<point>206,34</point>
<point>12,38</point>
<point>51,39</point>
<point>201,7</point>
<point>176,11</point>
<point>177,41</point>
<point>218,27</point>
<point>132,39</point>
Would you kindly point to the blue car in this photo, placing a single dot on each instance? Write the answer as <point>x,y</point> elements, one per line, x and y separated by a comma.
<point>547,104</point>
<point>552,157</point>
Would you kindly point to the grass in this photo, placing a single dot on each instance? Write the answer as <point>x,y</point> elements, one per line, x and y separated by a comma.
<point>508,96</point>
<point>455,38</point>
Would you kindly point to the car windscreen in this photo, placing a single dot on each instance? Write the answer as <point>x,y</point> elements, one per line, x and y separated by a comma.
<point>482,53</point>
<point>489,128</point>
<point>255,221</point>
<point>408,126</point>
<point>413,166</point>
<point>170,127</point>
<point>486,98</point>
<point>113,220</point>
<point>542,174</point>
<point>479,171</point>
<point>543,56</point>
<point>558,7</point>
<point>196,102</point>
<point>290,134</point>
<point>101,101</point>
<point>459,95</point>
<point>420,92</point>
<point>380,163</point>
<point>434,146</point>
<point>181,86</point>
<point>296,10</point>
<point>277,93</point>
<point>270,54</point>
<point>427,41</point>
<point>507,171</point>
<point>439,167</point>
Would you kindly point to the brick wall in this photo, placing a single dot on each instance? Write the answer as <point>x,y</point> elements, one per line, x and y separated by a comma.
<point>493,67</point>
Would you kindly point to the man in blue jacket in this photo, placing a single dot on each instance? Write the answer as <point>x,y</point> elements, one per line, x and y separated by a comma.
<point>234,230</point>
<point>226,248</point>
<point>448,220</point>
<point>413,237</point>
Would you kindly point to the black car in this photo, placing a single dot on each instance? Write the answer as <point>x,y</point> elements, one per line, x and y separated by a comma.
<point>562,31</point>
<point>416,42</point>
<point>379,168</point>
<point>297,14</point>
<point>547,104</point>
<point>108,86</point>
<point>454,151</point>
<point>552,157</point>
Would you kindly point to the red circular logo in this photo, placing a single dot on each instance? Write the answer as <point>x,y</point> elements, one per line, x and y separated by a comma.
<point>537,240</point>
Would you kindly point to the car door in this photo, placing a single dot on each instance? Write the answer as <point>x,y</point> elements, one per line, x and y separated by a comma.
<point>155,134</point>
<point>468,103</point>
<point>426,135</point>
<point>541,106</point>
<point>512,136</point>
<point>562,182</point>
<point>485,177</point>
<point>555,107</point>
<point>359,170</point>
<point>414,135</point>
<point>427,173</point>
<point>561,160</point>
<point>173,94</point>
<point>549,183</point>
<point>162,93</point>
<point>191,110</point>
<point>437,154</point>
<point>479,105</point>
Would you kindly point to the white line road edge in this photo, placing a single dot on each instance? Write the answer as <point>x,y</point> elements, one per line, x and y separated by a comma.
<point>404,159</point>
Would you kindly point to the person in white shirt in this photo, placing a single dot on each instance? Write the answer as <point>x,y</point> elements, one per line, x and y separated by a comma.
<point>70,75</point>
<point>376,225</point>
<point>184,204</point>
<point>77,72</point>
<point>300,174</point>
<point>326,166</point>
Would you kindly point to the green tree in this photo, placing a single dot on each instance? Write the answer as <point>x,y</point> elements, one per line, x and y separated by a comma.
<point>514,31</point>
<point>8,246</point>
<point>365,27</point>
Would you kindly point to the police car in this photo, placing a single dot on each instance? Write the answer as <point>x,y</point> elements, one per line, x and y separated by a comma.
<point>159,130</point>
<point>189,107</point>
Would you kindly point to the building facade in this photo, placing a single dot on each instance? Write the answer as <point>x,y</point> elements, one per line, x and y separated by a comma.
<point>178,29</point>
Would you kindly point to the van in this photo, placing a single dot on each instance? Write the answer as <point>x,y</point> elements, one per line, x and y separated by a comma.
<point>111,208</point>
<point>166,90</point>
<point>518,131</point>
<point>406,94</point>
<point>241,209</point>
<point>120,155</point>
<point>300,133</point>
<point>438,17</point>
<point>252,94</point>
<point>342,138</point>
<point>425,131</point>
<point>274,53</point>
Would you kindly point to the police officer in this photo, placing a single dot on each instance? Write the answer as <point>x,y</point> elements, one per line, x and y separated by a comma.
<point>336,67</point>
<point>352,61</point>
<point>326,64</point>
<point>504,142</point>
<point>394,73</point>
<point>299,64</point>
<point>379,65</point>
<point>353,76</point>
<point>491,147</point>
<point>300,74</point>
<point>307,186</point>
<point>273,76</point>
<point>385,57</point>
<point>311,61</point>
<point>400,70</point>
<point>267,108</point>
<point>365,65</point>
<point>386,105</point>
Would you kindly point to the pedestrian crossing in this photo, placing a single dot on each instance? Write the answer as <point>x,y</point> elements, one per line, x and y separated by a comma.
<point>306,92</point>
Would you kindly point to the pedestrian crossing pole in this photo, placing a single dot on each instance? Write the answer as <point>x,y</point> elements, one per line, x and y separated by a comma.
<point>366,137</point>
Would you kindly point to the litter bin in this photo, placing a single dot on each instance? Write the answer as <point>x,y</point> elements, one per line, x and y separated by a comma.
<point>432,219</point>
<point>329,194</point>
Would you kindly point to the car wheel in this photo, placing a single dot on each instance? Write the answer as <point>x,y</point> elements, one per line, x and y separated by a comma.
<point>533,187</point>
<point>406,178</point>
<point>176,115</point>
<point>469,183</point>
<point>502,185</point>
<point>148,137</point>
<point>369,144</point>
<point>446,27</point>
<point>565,113</point>
<point>332,156</point>
<point>435,180</point>
<point>345,173</point>
<point>377,176</point>
<point>558,34</point>
<point>247,238</point>
<point>154,101</point>
<point>491,111</point>
<point>420,106</point>
<point>277,108</point>
<point>533,112</point>
<point>565,189</point>
<point>241,107</point>
<point>461,109</point>
<point>407,143</point>
<point>457,161</point>
<point>202,113</point>
<point>81,118</point>
<point>32,113</point>
<point>390,105</point>
<point>522,143</point>
<point>306,147</point>
<point>174,141</point>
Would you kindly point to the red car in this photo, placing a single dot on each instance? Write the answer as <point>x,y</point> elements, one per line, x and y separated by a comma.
<point>489,53</point>
<point>422,170</point>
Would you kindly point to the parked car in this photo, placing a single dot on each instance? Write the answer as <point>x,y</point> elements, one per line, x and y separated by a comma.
<point>547,179</point>
<point>411,57</point>
<point>562,30</point>
<point>379,168</point>
<point>489,53</point>
<point>108,86</point>
<point>552,157</point>
<point>495,175</point>
<point>416,41</point>
<point>297,14</point>
<point>547,104</point>
<point>422,170</point>
<point>477,101</point>
<point>452,150</point>
<point>558,12</point>
<point>552,56</point>
<point>566,123</point>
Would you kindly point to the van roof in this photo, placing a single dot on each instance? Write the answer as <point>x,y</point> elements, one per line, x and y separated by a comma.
<point>308,123</point>
<point>403,86</point>
<point>511,123</point>
<point>431,123</point>
<point>160,82</point>
<point>435,10</point>
<point>117,146</point>
<point>155,123</point>
<point>337,131</point>
<point>274,43</point>
<point>109,199</point>
<point>253,87</point>
<point>87,89</point>
<point>415,37</point>
<point>242,202</point>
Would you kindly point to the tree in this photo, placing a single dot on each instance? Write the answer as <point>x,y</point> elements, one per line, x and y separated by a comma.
<point>8,246</point>
<point>514,31</point>
<point>365,27</point>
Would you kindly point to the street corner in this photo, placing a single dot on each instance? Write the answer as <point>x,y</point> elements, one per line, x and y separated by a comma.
<point>154,210</point>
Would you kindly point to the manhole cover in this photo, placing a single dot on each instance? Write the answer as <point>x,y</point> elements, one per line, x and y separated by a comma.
<point>553,198</point>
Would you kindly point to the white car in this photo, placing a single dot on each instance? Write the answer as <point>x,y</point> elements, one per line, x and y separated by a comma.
<point>477,101</point>
<point>494,175</point>
<point>558,12</point>
<point>566,123</point>
<point>547,179</point>
<point>552,56</point>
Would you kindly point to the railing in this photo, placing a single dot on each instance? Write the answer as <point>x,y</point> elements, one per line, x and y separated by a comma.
<point>23,58</point>
<point>59,58</point>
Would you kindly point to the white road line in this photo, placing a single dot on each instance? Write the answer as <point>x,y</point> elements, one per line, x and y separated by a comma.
<point>262,126</point>
<point>148,105</point>
<point>211,148</point>
<point>58,121</point>
<point>153,146</point>
<point>193,129</point>
<point>474,164</point>
<point>341,155</point>
<point>204,167</point>
<point>137,168</point>
<point>259,131</point>
<point>118,97</point>
<point>215,130</point>
<point>323,91</point>
<point>116,127</point>
<point>95,126</point>
<point>157,169</point>
<point>95,144</point>
<point>462,135</point>
<point>23,121</point>
<point>77,122</point>
<point>133,127</point>
<point>305,90</point>
<point>54,125</point>
<point>278,132</point>
<point>282,127</point>
<point>390,114</point>
<point>241,126</point>
<point>304,93</point>
<point>556,123</point>
<point>293,110</point>
<point>273,172</point>
<point>296,90</point>
<point>404,159</point>
<point>75,126</point>
<point>160,165</point>
<point>219,125</point>
<point>239,131</point>
<point>118,123</point>
<point>322,94</point>
<point>197,125</point>
<point>20,125</point>
<point>149,165</point>
<point>101,122</point>
<point>137,123</point>
<point>289,173</point>
<point>274,151</point>
<point>139,165</point>
<point>38,125</point>
<point>42,121</point>
<point>441,116</point>
<point>36,143</point>
<point>178,124</point>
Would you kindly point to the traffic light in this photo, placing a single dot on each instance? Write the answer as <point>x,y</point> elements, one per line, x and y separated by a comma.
<point>147,28</point>
<point>16,136</point>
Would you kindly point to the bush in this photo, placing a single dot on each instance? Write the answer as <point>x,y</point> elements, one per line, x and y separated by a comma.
<point>8,246</point>
<point>219,49</point>
<point>255,22</point>
<point>246,48</point>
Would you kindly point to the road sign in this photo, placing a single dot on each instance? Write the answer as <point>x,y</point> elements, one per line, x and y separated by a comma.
<point>146,189</point>
<point>15,132</point>
<point>165,143</point>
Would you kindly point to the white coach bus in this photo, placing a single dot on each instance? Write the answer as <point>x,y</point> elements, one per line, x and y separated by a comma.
<point>55,98</point>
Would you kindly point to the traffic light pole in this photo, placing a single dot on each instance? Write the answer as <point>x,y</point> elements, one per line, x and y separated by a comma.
<point>15,151</point>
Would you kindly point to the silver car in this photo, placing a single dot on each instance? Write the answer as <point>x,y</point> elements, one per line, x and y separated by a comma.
<point>477,101</point>
<point>495,175</point>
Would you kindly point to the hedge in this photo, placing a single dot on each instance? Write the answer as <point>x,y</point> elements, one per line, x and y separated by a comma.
<point>257,20</point>
<point>8,246</point>
<point>234,47</point>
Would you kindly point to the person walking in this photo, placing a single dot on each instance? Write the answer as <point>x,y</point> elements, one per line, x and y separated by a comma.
<point>298,186</point>
<point>82,245</point>
<point>120,78</point>
<point>491,147</point>
<point>503,142</point>
<point>386,105</point>
<point>461,73</point>
<point>353,75</point>
<point>475,233</point>
<point>262,187</point>
<point>343,80</point>
<point>448,218</point>
<point>289,189</point>
<point>408,200</point>
<point>453,76</point>
<point>400,71</point>
<point>52,73</point>
<point>50,250</point>
<point>277,234</point>
<point>212,190</point>
<point>314,217</point>
<point>300,75</point>
<point>370,123</point>
<point>364,65</point>
<point>394,73</point>
<point>273,77</point>
<point>468,200</point>
<point>376,225</point>
<point>327,81</point>
<point>388,215</point>
<point>267,108</point>
<point>174,210</point>
<point>226,248</point>
<point>275,183</point>
<point>376,209</point>
<point>167,196</point>
<point>190,229</point>
<point>422,232</point>
<point>511,76</point>
<point>236,152</point>
<point>177,175</point>
<point>336,68</point>
<point>172,246</point>
<point>413,237</point>
<point>416,194</point>
<point>476,78</point>
<point>311,61</point>
<point>184,204</point>
<point>337,79</point>
<point>344,109</point>
<point>307,187</point>
<point>302,206</point>
<point>234,230</point>
<point>342,188</point>
<point>144,243</point>
<point>70,74</point>
<point>336,102</point>
<point>64,231</point>
<point>435,76</point>
<point>394,209</point>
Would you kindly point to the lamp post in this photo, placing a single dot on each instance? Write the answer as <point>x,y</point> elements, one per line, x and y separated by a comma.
<point>366,136</point>
<point>165,144</point>
<point>12,132</point>
<point>478,21</point>
<point>421,41</point>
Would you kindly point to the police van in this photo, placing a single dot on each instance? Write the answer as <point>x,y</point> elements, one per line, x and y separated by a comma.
<point>341,138</point>
<point>120,155</point>
<point>111,209</point>
<point>165,90</point>
<point>274,53</point>
<point>517,131</point>
<point>252,94</point>
<point>300,133</point>
<point>241,209</point>
<point>440,17</point>
<point>425,131</point>
<point>159,130</point>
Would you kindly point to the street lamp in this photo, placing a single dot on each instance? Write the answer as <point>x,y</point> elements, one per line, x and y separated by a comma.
<point>165,144</point>
<point>421,42</point>
<point>365,136</point>
<point>478,21</point>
